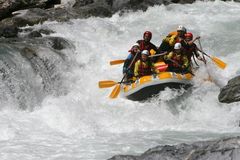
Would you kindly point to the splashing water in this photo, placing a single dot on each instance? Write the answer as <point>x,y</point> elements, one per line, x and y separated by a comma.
<point>85,124</point>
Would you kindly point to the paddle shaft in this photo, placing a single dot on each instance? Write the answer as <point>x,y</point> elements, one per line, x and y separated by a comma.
<point>156,55</point>
<point>129,67</point>
<point>201,50</point>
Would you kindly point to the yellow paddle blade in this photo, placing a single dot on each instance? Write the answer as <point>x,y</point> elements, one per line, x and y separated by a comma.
<point>106,84</point>
<point>120,61</point>
<point>115,92</point>
<point>219,62</point>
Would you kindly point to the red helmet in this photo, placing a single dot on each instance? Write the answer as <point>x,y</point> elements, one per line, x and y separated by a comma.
<point>189,35</point>
<point>147,33</point>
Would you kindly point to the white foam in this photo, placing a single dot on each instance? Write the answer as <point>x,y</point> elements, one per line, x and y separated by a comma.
<point>90,123</point>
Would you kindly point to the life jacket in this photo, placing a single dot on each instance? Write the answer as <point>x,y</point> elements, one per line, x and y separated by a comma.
<point>147,46</point>
<point>172,38</point>
<point>136,59</point>
<point>145,68</point>
<point>178,59</point>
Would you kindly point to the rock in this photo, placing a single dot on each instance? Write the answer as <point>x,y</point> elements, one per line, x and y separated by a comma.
<point>8,31</point>
<point>99,8</point>
<point>223,149</point>
<point>51,3</point>
<point>28,52</point>
<point>34,34</point>
<point>9,6</point>
<point>58,43</point>
<point>81,3</point>
<point>231,92</point>
<point>46,31</point>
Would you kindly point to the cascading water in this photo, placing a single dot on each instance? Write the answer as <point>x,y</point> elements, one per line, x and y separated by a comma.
<point>78,121</point>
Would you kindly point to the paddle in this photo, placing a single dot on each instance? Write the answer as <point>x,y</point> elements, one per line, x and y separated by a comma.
<point>120,61</point>
<point>115,62</point>
<point>106,84</point>
<point>216,60</point>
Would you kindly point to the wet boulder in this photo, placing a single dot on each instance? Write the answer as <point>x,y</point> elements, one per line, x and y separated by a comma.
<point>231,92</point>
<point>8,31</point>
<point>223,149</point>
<point>34,34</point>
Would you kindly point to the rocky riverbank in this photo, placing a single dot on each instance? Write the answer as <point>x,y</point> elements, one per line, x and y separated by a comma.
<point>15,14</point>
<point>223,149</point>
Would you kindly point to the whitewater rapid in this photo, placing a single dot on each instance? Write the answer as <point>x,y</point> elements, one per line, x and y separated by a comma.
<point>84,124</point>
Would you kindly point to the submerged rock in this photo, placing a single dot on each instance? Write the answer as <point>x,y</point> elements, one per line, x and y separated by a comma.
<point>8,31</point>
<point>231,92</point>
<point>31,68</point>
<point>34,34</point>
<point>223,149</point>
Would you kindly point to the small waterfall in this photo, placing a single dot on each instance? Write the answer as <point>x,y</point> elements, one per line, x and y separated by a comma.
<point>31,70</point>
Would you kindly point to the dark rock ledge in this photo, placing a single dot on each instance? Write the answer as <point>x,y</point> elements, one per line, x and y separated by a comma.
<point>15,14</point>
<point>223,149</point>
<point>231,92</point>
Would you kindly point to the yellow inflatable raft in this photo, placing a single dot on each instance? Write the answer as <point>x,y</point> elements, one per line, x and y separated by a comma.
<point>147,86</point>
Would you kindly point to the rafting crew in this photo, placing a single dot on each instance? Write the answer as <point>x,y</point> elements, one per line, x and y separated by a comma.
<point>176,53</point>
<point>177,50</point>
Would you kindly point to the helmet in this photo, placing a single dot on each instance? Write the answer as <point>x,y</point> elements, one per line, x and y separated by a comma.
<point>145,52</point>
<point>147,33</point>
<point>177,46</point>
<point>136,45</point>
<point>189,35</point>
<point>181,28</point>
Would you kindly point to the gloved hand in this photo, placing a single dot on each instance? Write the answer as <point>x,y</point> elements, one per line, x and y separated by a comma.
<point>198,37</point>
<point>184,67</point>
<point>129,72</point>
<point>124,69</point>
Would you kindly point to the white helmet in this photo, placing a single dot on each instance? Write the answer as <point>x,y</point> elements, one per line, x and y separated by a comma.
<point>181,28</point>
<point>136,45</point>
<point>145,52</point>
<point>177,46</point>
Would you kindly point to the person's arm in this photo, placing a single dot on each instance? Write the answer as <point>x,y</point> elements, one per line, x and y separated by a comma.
<point>127,62</point>
<point>136,68</point>
<point>185,62</point>
<point>192,41</point>
<point>168,56</point>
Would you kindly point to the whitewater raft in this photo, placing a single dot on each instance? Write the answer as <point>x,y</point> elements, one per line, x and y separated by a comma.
<point>148,86</point>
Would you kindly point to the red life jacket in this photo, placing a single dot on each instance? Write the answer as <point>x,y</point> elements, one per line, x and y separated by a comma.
<point>147,46</point>
<point>144,70</point>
